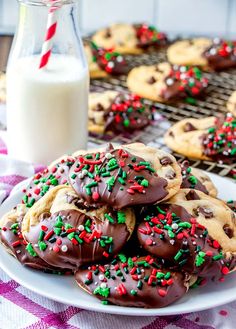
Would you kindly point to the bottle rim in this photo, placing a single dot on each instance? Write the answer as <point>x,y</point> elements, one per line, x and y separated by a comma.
<point>47,3</point>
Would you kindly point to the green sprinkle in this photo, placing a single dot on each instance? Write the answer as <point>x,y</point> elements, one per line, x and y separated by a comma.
<point>30,250</point>
<point>104,302</point>
<point>199,260</point>
<point>93,184</point>
<point>140,285</point>
<point>178,255</point>
<point>133,292</point>
<point>161,211</point>
<point>111,220</point>
<point>121,217</point>
<point>104,292</point>
<point>122,258</point>
<point>42,245</point>
<point>145,183</point>
<point>73,176</point>
<point>130,262</point>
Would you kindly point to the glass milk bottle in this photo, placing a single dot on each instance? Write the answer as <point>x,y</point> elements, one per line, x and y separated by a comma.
<point>47,83</point>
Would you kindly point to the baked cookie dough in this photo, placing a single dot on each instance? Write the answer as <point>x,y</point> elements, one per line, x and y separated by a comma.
<point>104,62</point>
<point>129,39</point>
<point>133,281</point>
<point>231,104</point>
<point>165,82</point>
<point>209,138</point>
<point>216,54</point>
<point>2,88</point>
<point>125,176</point>
<point>117,112</point>
<point>192,231</point>
<point>66,235</point>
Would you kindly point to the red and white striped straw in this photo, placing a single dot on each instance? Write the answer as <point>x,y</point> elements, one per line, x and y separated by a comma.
<point>51,31</point>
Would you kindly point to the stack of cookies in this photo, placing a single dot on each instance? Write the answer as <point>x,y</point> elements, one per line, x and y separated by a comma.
<point>132,225</point>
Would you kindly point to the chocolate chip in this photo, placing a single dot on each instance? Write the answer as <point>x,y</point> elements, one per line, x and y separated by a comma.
<point>44,215</point>
<point>166,161</point>
<point>189,127</point>
<point>206,212</point>
<point>171,134</point>
<point>228,231</point>
<point>99,107</point>
<point>170,174</point>
<point>151,81</point>
<point>192,195</point>
<point>108,33</point>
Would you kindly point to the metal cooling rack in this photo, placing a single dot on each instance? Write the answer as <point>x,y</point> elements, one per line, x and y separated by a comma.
<point>221,85</point>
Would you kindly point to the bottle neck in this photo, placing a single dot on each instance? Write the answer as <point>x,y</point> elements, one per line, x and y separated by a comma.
<point>32,29</point>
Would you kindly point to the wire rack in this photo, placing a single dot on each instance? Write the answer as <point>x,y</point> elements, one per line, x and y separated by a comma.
<point>221,85</point>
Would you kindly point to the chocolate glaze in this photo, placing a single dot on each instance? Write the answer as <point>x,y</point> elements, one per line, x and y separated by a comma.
<point>183,82</point>
<point>126,114</point>
<point>64,250</point>
<point>149,36</point>
<point>226,151</point>
<point>189,180</point>
<point>120,288</point>
<point>111,190</point>
<point>109,60</point>
<point>193,251</point>
<point>221,55</point>
<point>44,181</point>
<point>10,236</point>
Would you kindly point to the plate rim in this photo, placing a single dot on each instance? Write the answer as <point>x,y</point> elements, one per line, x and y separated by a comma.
<point>98,307</point>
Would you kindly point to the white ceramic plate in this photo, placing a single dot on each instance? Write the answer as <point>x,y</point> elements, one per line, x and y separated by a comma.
<point>65,290</point>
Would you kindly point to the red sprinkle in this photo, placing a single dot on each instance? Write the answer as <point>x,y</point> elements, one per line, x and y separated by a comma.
<point>162,292</point>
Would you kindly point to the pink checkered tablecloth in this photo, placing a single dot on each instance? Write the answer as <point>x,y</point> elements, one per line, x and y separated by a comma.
<point>20,308</point>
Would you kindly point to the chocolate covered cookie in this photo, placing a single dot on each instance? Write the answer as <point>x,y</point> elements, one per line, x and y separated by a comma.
<point>12,239</point>
<point>104,62</point>
<point>197,179</point>
<point>193,232</point>
<point>216,54</point>
<point>66,235</point>
<point>130,38</point>
<point>125,176</point>
<point>114,112</point>
<point>165,82</point>
<point>135,282</point>
<point>208,139</point>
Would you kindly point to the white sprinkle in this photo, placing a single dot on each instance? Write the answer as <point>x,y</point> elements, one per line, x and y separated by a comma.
<point>183,69</point>
<point>101,277</point>
<point>169,81</point>
<point>174,226</point>
<point>84,171</point>
<point>96,283</point>
<point>111,65</point>
<point>103,285</point>
<point>81,227</point>
<point>119,59</point>
<point>64,248</point>
<point>18,251</point>
<point>172,242</point>
<point>108,156</point>
<point>140,276</point>
<point>212,51</point>
<point>152,234</point>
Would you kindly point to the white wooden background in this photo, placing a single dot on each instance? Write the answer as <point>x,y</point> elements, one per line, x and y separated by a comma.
<point>177,17</point>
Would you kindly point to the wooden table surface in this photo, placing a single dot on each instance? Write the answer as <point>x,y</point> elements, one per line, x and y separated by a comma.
<point>5,45</point>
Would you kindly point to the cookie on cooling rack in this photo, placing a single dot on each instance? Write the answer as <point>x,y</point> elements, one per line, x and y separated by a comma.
<point>124,176</point>
<point>165,82</point>
<point>117,112</point>
<point>2,88</point>
<point>12,239</point>
<point>129,38</point>
<point>66,235</point>
<point>207,139</point>
<point>135,282</point>
<point>104,62</point>
<point>193,232</point>
<point>216,54</point>
<point>231,104</point>
<point>194,178</point>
